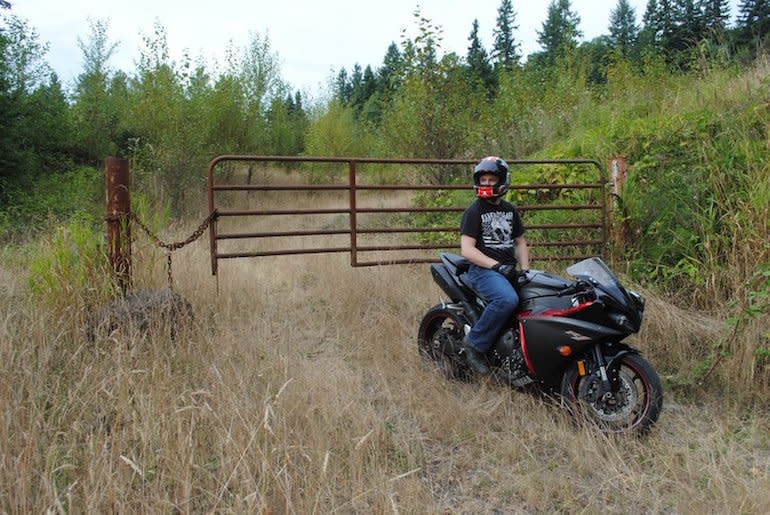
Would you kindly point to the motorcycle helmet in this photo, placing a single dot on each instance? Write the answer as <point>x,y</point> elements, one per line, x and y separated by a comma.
<point>497,167</point>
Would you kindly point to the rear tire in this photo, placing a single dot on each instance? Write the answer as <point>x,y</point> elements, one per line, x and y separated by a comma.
<point>636,407</point>
<point>439,341</point>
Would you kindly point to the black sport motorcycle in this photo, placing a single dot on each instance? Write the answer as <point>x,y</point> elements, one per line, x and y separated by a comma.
<point>565,337</point>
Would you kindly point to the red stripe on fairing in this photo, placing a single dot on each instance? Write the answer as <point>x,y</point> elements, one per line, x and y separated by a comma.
<point>523,342</point>
<point>549,313</point>
<point>560,312</point>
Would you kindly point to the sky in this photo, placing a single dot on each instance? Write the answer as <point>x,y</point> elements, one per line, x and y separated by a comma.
<point>313,39</point>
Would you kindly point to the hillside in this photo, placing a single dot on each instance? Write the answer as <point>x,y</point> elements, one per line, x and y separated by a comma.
<point>299,389</point>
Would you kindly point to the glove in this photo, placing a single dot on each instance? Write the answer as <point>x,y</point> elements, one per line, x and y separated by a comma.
<point>509,271</point>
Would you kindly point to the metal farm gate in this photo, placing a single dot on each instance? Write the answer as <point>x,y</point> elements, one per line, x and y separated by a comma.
<point>388,211</point>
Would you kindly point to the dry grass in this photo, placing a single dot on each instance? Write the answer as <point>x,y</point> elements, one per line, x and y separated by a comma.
<point>299,390</point>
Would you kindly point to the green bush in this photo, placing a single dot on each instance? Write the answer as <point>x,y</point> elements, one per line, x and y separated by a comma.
<point>52,197</point>
<point>70,267</point>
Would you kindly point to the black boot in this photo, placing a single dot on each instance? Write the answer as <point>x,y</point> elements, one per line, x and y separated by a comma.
<point>475,358</point>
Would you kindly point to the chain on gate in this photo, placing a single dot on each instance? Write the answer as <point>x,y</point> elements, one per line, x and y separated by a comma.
<point>171,247</point>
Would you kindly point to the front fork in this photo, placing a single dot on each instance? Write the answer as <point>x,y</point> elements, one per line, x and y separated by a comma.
<point>606,384</point>
<point>603,382</point>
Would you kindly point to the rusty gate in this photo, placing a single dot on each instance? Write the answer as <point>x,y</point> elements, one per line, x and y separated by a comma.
<point>560,226</point>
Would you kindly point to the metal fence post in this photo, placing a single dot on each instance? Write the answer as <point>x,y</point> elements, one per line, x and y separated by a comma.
<point>618,174</point>
<point>118,214</point>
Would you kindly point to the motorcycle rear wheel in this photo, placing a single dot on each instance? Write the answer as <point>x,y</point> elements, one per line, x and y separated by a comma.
<point>439,341</point>
<point>635,408</point>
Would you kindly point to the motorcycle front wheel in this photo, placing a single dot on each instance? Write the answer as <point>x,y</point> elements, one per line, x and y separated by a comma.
<point>635,406</point>
<point>439,340</point>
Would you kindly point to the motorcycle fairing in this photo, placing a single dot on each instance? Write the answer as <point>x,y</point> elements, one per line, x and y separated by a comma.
<point>609,289</point>
<point>443,277</point>
<point>541,337</point>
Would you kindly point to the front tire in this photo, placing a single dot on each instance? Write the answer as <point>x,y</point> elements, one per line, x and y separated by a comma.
<point>636,406</point>
<point>439,341</point>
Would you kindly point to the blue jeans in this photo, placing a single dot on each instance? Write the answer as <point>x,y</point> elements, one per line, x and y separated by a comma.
<point>501,299</point>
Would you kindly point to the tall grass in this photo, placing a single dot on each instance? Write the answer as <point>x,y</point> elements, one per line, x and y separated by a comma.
<point>697,196</point>
<point>696,205</point>
<point>298,389</point>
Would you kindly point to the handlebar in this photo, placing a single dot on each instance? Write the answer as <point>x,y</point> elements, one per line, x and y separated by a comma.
<point>575,288</point>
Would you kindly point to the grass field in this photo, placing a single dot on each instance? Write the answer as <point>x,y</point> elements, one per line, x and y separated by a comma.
<point>299,389</point>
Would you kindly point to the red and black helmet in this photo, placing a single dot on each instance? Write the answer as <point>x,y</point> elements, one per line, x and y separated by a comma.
<point>496,167</point>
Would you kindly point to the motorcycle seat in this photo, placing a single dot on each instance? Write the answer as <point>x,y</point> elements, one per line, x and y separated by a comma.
<point>460,263</point>
<point>461,266</point>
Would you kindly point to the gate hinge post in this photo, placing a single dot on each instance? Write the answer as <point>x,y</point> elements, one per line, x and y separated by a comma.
<point>118,219</point>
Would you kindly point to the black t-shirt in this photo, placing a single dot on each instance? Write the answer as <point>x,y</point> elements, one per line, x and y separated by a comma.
<point>494,227</point>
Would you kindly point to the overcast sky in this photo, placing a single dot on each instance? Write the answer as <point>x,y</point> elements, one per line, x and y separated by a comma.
<point>313,38</point>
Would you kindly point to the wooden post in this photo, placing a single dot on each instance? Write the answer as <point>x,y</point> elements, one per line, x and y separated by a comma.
<point>118,226</point>
<point>618,168</point>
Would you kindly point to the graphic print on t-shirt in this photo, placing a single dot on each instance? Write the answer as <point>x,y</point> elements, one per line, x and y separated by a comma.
<point>496,229</point>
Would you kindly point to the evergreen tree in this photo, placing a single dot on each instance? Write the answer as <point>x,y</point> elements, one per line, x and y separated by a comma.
<point>50,134</point>
<point>668,18</point>
<point>623,28</point>
<point>660,26</point>
<point>297,107</point>
<point>357,86</point>
<point>368,86</point>
<point>505,49</point>
<point>715,17</point>
<point>594,56</point>
<point>560,30</point>
<point>287,123</point>
<point>478,66</point>
<point>389,75</point>
<point>648,33</point>
<point>344,89</point>
<point>754,20</point>
<point>689,24</point>
<point>299,121</point>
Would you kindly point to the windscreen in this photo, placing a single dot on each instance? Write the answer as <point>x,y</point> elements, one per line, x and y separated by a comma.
<point>594,268</point>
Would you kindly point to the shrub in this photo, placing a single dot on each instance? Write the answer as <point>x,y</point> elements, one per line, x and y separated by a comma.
<point>70,267</point>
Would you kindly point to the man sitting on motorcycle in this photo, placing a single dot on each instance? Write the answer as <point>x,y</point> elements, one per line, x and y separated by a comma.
<point>492,236</point>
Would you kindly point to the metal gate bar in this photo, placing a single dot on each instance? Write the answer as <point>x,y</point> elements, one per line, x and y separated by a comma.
<point>352,211</point>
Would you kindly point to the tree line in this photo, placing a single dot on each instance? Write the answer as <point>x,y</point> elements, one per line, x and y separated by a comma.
<point>681,32</point>
<point>171,117</point>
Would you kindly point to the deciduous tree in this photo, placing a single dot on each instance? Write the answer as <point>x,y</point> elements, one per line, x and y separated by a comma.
<point>93,109</point>
<point>34,117</point>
